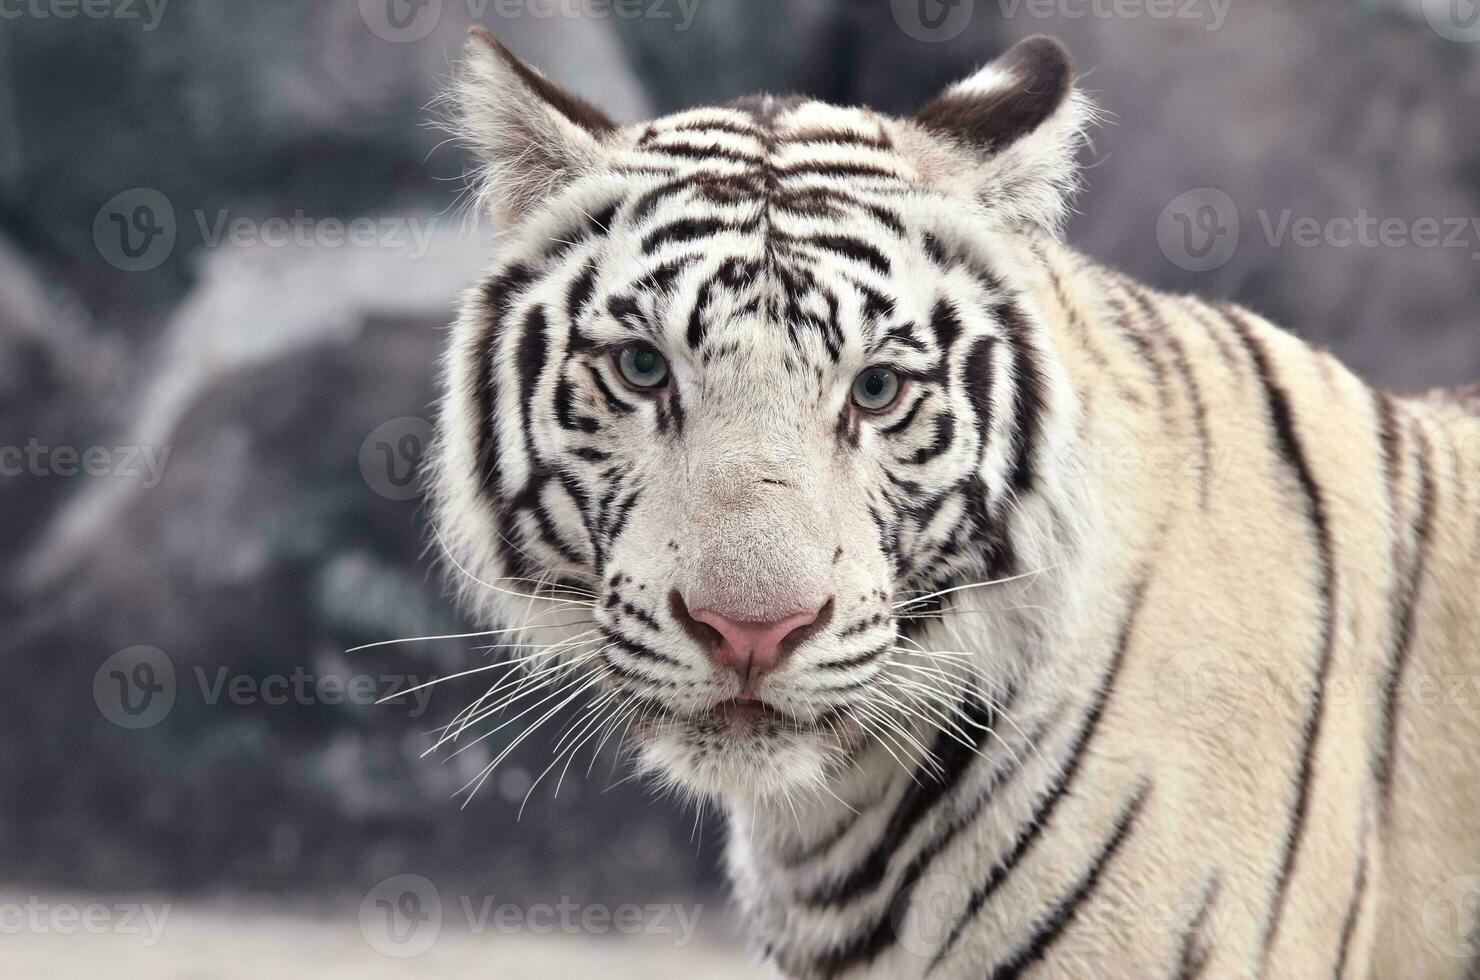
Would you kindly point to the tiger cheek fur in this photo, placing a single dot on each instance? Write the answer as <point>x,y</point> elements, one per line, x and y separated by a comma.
<point>926,634</point>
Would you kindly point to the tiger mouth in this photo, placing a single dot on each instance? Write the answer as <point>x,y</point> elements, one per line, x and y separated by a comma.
<point>736,717</point>
<point>747,715</point>
<point>752,717</point>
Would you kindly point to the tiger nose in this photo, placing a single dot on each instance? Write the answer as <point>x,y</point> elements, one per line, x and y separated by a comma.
<point>752,649</point>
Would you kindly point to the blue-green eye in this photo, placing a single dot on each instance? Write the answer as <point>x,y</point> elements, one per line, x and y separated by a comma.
<point>875,389</point>
<point>642,366</point>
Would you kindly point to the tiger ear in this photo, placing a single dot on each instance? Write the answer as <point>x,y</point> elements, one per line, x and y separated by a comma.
<point>1023,122</point>
<point>532,137</point>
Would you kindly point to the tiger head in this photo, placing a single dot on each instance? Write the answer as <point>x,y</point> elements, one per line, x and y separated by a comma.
<point>751,400</point>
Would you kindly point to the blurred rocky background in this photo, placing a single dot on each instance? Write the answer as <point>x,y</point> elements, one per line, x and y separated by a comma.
<point>230,240</point>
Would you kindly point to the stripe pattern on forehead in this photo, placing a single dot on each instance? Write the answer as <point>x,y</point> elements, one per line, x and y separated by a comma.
<point>804,187</point>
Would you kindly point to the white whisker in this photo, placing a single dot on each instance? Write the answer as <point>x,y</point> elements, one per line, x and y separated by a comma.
<point>975,585</point>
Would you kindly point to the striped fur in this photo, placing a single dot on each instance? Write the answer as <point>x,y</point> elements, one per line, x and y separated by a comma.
<point>1128,595</point>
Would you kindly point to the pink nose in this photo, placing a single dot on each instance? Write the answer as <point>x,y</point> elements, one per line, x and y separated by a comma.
<point>753,649</point>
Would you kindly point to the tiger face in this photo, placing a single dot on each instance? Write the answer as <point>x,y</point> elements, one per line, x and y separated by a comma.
<point>750,392</point>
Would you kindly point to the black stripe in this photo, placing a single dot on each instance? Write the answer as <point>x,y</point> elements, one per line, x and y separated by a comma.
<point>846,245</point>
<point>603,508</point>
<point>716,125</point>
<point>628,674</point>
<point>910,487</point>
<point>945,324</point>
<point>642,616</point>
<point>825,202</point>
<point>977,376</point>
<point>1407,598</point>
<point>1282,419</point>
<point>691,151</point>
<point>1214,332</point>
<point>697,327</point>
<point>925,510</point>
<point>619,519</point>
<point>886,218</point>
<point>592,226</point>
<point>565,415</point>
<point>868,943</point>
<point>1028,396</point>
<point>848,663</point>
<point>499,293</point>
<point>582,500</point>
<point>529,363</point>
<point>844,137</point>
<point>905,421</point>
<point>934,250</point>
<point>876,306</point>
<point>1389,441</point>
<point>688,230</point>
<point>929,785</point>
<point>904,334</point>
<point>1189,381</point>
<point>614,403</point>
<point>1196,943</point>
<point>711,188</point>
<point>531,501</point>
<point>628,645</point>
<point>991,535</point>
<point>888,535</point>
<point>1349,927</point>
<point>627,311</point>
<point>1067,908</point>
<point>805,853</point>
<point>579,294</point>
<point>1138,340</point>
<point>862,626</point>
<point>660,280</point>
<point>837,169</point>
<point>1048,803</point>
<point>945,433</point>
<point>1080,331</point>
<point>649,201</point>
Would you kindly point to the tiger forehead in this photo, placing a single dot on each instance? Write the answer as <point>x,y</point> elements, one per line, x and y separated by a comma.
<point>766,129</point>
<point>774,311</point>
<point>790,210</point>
<point>776,158</point>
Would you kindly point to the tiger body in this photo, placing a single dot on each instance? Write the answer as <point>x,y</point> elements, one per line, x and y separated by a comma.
<point>1118,610</point>
<point>1271,734</point>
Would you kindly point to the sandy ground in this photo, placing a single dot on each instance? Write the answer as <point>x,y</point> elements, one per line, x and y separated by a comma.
<point>55,939</point>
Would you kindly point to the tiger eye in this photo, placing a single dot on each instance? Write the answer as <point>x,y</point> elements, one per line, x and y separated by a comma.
<point>875,389</point>
<point>642,366</point>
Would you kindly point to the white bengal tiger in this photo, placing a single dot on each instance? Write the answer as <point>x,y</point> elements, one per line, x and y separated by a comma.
<point>1023,619</point>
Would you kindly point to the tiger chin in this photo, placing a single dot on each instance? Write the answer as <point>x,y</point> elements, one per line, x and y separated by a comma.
<point>1011,610</point>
